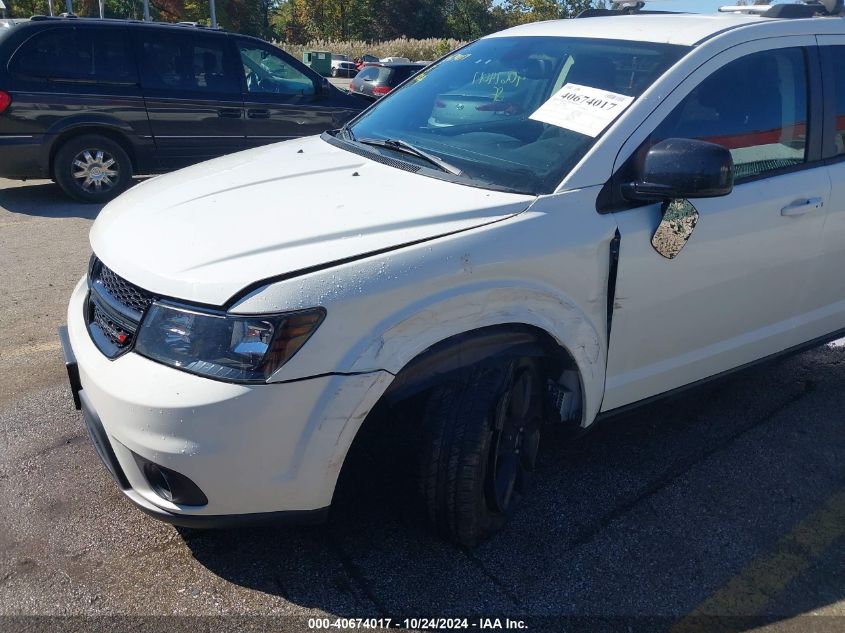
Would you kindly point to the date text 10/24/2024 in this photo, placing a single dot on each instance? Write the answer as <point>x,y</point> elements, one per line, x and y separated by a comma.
<point>418,624</point>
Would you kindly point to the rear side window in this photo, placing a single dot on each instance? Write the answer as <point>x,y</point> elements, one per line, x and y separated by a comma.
<point>755,106</point>
<point>839,97</point>
<point>187,62</point>
<point>368,73</point>
<point>80,54</point>
<point>402,73</point>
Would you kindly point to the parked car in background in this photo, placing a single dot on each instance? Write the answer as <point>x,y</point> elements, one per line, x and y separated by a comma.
<point>398,60</point>
<point>89,103</point>
<point>342,66</point>
<point>376,80</point>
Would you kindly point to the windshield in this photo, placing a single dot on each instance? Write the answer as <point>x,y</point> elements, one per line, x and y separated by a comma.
<point>474,108</point>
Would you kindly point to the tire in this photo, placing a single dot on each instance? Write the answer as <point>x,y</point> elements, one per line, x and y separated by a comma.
<point>83,170</point>
<point>334,72</point>
<point>469,450</point>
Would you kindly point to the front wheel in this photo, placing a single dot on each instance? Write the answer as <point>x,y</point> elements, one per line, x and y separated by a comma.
<point>334,72</point>
<point>92,168</point>
<point>481,435</point>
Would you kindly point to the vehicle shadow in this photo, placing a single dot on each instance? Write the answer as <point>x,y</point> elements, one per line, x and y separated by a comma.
<point>642,519</point>
<point>46,200</point>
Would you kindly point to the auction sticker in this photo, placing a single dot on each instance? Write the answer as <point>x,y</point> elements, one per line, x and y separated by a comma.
<point>582,109</point>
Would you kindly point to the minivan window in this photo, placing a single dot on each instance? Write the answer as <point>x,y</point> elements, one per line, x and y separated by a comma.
<point>473,109</point>
<point>839,98</point>
<point>186,62</point>
<point>755,106</point>
<point>78,53</point>
<point>268,72</point>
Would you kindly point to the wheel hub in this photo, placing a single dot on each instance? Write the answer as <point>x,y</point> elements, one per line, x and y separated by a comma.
<point>95,170</point>
<point>515,442</point>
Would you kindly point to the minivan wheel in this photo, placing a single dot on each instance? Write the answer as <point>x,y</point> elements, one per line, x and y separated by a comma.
<point>334,72</point>
<point>481,435</point>
<point>92,168</point>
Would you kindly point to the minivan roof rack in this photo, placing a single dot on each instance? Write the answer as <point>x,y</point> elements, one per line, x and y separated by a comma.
<point>65,16</point>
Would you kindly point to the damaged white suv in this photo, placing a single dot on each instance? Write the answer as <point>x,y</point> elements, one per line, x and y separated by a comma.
<point>550,225</point>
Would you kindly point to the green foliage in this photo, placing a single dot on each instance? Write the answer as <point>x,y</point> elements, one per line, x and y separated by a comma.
<point>425,49</point>
<point>349,21</point>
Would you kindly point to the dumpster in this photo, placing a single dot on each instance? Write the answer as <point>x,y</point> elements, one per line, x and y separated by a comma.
<point>319,61</point>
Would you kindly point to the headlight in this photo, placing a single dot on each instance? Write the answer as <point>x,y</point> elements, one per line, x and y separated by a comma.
<point>227,347</point>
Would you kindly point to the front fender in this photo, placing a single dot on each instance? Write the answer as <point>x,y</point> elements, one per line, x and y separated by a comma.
<point>546,268</point>
<point>405,335</point>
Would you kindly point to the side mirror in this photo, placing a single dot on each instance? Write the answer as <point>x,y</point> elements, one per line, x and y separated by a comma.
<point>680,168</point>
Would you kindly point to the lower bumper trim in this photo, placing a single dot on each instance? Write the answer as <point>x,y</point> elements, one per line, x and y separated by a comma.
<point>226,521</point>
<point>71,366</point>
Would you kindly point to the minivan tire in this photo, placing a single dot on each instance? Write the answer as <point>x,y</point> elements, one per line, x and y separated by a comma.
<point>83,161</point>
<point>467,425</point>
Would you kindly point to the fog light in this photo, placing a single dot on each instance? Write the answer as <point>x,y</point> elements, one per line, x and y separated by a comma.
<point>170,485</point>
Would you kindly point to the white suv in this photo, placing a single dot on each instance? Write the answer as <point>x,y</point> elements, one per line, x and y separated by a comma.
<point>342,65</point>
<point>620,207</point>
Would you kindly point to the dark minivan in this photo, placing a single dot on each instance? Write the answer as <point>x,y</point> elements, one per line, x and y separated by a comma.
<point>90,102</point>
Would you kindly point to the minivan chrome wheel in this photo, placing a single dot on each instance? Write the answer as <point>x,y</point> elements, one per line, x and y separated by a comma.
<point>95,170</point>
<point>92,168</point>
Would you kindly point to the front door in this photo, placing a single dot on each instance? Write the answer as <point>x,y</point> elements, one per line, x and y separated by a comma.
<point>737,289</point>
<point>281,100</point>
<point>192,92</point>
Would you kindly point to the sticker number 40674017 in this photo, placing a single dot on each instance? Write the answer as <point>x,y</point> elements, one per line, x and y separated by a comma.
<point>582,109</point>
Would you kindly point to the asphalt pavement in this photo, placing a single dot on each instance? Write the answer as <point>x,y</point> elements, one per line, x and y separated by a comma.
<point>728,501</point>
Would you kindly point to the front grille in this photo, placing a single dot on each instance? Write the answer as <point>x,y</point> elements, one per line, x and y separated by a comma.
<point>126,293</point>
<point>118,336</point>
<point>114,309</point>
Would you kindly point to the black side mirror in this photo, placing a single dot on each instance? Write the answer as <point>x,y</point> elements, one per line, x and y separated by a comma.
<point>681,168</point>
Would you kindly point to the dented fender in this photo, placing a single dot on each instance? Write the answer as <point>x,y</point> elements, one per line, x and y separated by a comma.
<point>547,268</point>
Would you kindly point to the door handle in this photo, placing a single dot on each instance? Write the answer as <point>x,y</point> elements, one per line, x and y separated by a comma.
<point>800,207</point>
<point>258,114</point>
<point>229,113</point>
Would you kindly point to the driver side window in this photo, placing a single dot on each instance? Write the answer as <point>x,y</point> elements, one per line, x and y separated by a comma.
<point>269,73</point>
<point>755,106</point>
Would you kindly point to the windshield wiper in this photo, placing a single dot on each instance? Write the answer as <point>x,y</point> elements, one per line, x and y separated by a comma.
<point>407,148</point>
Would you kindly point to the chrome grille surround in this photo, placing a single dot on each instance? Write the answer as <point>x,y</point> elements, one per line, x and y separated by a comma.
<point>114,309</point>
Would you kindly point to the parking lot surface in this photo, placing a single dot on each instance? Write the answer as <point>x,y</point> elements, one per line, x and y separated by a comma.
<point>727,501</point>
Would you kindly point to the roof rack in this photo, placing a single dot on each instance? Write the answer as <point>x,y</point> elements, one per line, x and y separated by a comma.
<point>623,7</point>
<point>72,16</point>
<point>809,9</point>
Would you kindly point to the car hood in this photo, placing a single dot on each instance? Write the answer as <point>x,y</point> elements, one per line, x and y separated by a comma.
<point>206,232</point>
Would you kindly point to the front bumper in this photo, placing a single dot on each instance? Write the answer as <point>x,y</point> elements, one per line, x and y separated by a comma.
<point>257,452</point>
